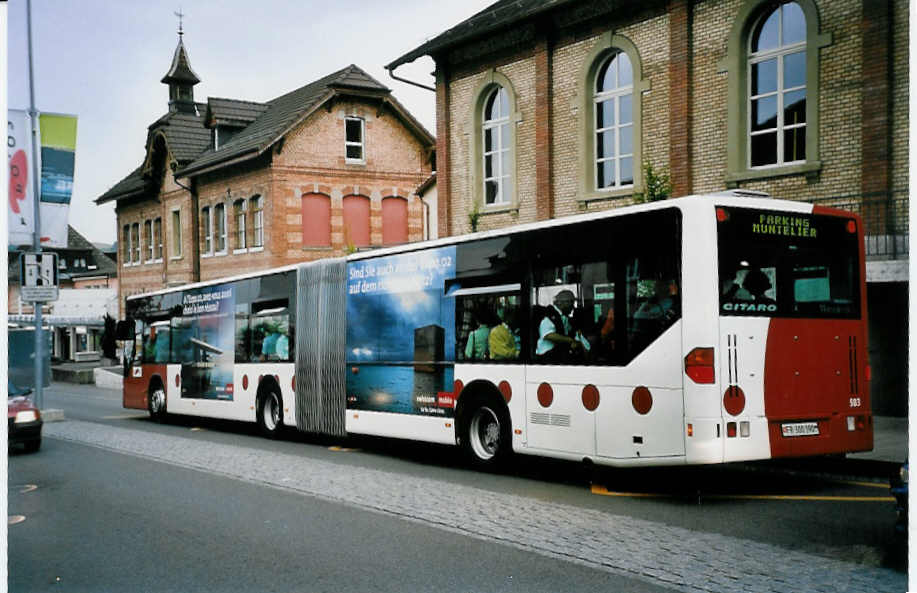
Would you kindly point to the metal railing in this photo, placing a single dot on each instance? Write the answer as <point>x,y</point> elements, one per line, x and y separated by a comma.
<point>885,216</point>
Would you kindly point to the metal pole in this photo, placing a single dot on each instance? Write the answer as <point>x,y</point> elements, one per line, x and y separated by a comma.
<point>36,236</point>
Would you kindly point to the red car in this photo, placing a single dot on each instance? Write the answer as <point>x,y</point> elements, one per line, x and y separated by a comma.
<point>24,419</point>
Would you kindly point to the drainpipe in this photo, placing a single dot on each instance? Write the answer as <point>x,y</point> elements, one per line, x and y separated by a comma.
<point>195,229</point>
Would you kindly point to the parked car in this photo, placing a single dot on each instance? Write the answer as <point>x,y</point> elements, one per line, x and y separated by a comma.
<point>899,490</point>
<point>23,417</point>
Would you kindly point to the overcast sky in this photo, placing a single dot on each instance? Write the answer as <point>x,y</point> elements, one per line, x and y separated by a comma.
<point>102,61</point>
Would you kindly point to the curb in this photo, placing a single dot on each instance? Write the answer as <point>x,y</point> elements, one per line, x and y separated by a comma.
<point>52,415</point>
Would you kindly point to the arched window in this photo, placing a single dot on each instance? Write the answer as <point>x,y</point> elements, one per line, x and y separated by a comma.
<point>773,59</point>
<point>356,220</point>
<point>777,88</point>
<point>614,123</point>
<point>316,220</point>
<point>394,220</point>
<point>497,147</point>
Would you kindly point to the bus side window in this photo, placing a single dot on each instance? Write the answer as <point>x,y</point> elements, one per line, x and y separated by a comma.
<point>270,331</point>
<point>243,334</point>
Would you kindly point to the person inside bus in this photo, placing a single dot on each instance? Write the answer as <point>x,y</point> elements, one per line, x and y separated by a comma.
<point>661,305</point>
<point>757,283</point>
<point>476,347</point>
<point>503,341</point>
<point>557,340</point>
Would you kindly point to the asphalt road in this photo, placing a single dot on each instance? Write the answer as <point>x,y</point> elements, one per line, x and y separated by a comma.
<point>102,521</point>
<point>827,519</point>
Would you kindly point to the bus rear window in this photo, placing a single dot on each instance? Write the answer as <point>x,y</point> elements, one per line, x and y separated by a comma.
<point>787,264</point>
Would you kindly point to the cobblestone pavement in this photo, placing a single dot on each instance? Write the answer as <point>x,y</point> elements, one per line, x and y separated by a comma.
<point>673,557</point>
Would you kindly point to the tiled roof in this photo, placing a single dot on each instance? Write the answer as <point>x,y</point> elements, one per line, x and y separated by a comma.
<point>282,113</point>
<point>185,133</point>
<point>133,184</point>
<point>497,16</point>
<point>232,111</point>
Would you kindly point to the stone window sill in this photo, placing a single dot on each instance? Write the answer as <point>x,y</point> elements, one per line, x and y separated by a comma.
<point>810,170</point>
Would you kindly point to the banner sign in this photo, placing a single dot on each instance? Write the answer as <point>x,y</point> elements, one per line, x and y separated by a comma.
<point>20,207</point>
<point>58,148</point>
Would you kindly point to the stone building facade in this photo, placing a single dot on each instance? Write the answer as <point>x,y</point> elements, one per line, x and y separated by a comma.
<point>230,186</point>
<point>805,100</point>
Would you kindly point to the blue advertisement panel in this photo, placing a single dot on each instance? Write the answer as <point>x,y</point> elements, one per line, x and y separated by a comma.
<point>401,333</point>
<point>205,337</point>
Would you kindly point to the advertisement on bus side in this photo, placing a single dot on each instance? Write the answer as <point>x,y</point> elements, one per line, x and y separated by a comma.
<point>206,338</point>
<point>400,333</point>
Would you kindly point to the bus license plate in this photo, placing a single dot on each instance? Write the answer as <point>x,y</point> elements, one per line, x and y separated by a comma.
<point>800,429</point>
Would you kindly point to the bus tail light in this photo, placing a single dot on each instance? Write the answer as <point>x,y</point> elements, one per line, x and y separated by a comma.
<point>851,423</point>
<point>690,430</point>
<point>731,429</point>
<point>699,365</point>
<point>856,423</point>
<point>745,429</point>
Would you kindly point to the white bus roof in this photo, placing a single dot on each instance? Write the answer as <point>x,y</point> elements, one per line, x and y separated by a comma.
<point>736,198</point>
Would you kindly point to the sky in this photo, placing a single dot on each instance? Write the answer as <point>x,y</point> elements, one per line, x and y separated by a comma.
<point>103,61</point>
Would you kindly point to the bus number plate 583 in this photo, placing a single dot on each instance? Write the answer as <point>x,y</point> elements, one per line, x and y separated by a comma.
<point>855,402</point>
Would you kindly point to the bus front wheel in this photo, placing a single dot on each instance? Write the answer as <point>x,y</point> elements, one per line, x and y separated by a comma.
<point>270,414</point>
<point>485,438</point>
<point>158,403</point>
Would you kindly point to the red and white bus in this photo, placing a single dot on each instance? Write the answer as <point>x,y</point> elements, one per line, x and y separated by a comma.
<point>697,330</point>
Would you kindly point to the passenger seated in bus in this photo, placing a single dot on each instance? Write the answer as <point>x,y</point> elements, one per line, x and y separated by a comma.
<point>660,306</point>
<point>282,347</point>
<point>557,341</point>
<point>269,346</point>
<point>476,347</point>
<point>757,283</point>
<point>503,340</point>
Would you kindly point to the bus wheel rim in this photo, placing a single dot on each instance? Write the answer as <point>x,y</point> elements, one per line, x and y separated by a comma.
<point>157,400</point>
<point>485,433</point>
<point>271,412</point>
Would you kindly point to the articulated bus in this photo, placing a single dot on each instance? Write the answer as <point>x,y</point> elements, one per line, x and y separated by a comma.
<point>697,330</point>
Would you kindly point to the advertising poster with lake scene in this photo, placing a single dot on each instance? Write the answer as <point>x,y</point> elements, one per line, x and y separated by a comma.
<point>205,335</point>
<point>400,332</point>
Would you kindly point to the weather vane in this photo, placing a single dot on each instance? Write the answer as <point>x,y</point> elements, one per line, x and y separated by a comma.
<point>179,14</point>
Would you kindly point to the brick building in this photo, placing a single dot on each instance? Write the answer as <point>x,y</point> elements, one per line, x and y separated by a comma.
<point>231,186</point>
<point>547,109</point>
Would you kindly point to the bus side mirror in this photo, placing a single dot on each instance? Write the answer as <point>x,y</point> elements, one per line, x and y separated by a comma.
<point>125,330</point>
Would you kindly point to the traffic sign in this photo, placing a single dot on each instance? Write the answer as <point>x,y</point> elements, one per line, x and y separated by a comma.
<point>38,277</point>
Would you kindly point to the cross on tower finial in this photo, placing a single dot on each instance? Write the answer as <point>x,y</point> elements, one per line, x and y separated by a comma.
<point>179,14</point>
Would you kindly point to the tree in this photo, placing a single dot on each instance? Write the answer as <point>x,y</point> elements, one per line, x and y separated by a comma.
<point>109,346</point>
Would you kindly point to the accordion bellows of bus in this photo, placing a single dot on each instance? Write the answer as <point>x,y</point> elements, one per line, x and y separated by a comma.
<point>697,330</point>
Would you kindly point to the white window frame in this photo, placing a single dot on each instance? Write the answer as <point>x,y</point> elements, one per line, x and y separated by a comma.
<point>220,236</point>
<point>499,148</point>
<point>779,53</point>
<point>207,218</point>
<point>157,241</point>
<point>241,234</point>
<point>148,231</point>
<point>613,95</point>
<point>176,234</point>
<point>361,143</point>
<point>257,223</point>
<point>136,250</point>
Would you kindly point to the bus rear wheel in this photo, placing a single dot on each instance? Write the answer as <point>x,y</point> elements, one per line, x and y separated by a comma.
<point>158,403</point>
<point>485,438</point>
<point>270,414</point>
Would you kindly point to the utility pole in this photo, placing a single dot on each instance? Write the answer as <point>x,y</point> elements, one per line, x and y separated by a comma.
<point>36,236</point>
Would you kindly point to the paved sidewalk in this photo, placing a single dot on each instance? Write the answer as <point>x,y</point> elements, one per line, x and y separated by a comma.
<point>889,440</point>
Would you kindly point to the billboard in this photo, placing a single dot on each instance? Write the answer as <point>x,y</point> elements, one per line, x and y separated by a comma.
<point>401,333</point>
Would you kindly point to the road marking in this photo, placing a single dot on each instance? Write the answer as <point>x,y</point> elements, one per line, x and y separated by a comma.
<point>338,449</point>
<point>13,519</point>
<point>28,488</point>
<point>197,429</point>
<point>124,417</point>
<point>602,491</point>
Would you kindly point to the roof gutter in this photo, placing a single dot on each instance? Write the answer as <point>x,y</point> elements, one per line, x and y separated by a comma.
<point>391,72</point>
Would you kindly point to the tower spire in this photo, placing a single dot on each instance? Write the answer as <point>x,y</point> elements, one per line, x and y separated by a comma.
<point>180,77</point>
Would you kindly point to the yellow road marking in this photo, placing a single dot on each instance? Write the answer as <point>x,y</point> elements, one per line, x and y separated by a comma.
<point>197,429</point>
<point>23,488</point>
<point>866,484</point>
<point>13,519</point>
<point>601,490</point>
<point>341,449</point>
<point>124,416</point>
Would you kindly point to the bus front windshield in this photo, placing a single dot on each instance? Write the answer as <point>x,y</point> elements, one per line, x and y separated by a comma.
<point>787,264</point>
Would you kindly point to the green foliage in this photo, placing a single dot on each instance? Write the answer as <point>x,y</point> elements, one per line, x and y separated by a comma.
<point>109,346</point>
<point>658,184</point>
<point>474,218</point>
